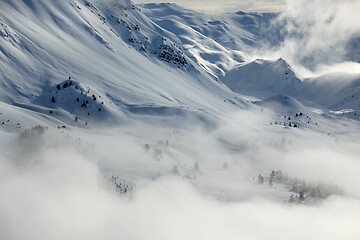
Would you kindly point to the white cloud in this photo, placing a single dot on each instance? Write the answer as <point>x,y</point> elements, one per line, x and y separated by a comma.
<point>64,197</point>
<point>61,193</point>
<point>319,32</point>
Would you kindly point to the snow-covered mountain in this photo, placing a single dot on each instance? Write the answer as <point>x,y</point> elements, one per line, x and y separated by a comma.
<point>111,112</point>
<point>111,48</point>
<point>223,43</point>
<point>264,78</point>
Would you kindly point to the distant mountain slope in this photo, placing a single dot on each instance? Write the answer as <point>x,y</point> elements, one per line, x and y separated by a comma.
<point>218,41</point>
<point>232,30</point>
<point>263,78</point>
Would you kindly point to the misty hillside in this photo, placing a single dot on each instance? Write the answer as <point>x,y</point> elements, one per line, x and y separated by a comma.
<point>122,120</point>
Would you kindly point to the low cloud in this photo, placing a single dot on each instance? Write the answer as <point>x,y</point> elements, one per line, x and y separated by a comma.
<point>64,197</point>
<point>63,193</point>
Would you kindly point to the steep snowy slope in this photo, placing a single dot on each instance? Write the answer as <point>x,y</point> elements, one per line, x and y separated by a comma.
<point>109,47</point>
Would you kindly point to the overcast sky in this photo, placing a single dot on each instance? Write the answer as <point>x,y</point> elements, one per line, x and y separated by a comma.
<point>227,5</point>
